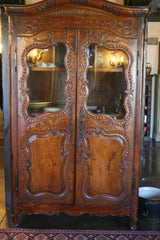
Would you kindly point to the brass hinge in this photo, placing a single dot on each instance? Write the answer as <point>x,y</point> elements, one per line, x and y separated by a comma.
<point>137,63</point>
<point>15,58</point>
<point>16,180</point>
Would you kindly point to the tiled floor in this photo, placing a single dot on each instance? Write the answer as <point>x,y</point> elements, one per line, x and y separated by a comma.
<point>150,176</point>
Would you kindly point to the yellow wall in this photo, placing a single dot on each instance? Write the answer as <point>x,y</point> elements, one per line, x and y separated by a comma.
<point>32,1</point>
<point>152,50</point>
<point>118,1</point>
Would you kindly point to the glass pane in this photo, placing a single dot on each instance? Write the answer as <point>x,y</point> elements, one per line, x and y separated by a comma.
<point>46,81</point>
<point>106,81</point>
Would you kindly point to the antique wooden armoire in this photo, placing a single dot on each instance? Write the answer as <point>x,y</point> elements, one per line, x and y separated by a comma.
<point>77,69</point>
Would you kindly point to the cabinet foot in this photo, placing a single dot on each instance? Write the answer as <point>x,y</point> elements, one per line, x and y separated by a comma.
<point>133,226</point>
<point>133,223</point>
<point>14,222</point>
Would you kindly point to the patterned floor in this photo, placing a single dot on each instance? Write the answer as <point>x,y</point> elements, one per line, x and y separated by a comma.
<point>18,234</point>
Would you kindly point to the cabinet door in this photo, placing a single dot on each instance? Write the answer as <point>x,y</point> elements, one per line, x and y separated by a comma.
<point>46,117</point>
<point>105,120</point>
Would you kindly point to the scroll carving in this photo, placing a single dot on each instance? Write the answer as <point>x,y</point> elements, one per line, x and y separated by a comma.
<point>103,5</point>
<point>103,37</point>
<point>107,129</point>
<point>48,124</point>
<point>45,5</point>
<point>138,13</point>
<point>112,8</point>
<point>121,10</point>
<point>125,27</point>
<point>51,39</point>
<point>103,41</point>
<point>124,161</point>
<point>103,126</point>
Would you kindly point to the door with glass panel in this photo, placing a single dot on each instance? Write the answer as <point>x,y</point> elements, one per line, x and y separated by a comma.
<point>46,117</point>
<point>105,122</point>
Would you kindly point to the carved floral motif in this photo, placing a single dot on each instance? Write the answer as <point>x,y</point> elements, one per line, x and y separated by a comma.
<point>121,26</point>
<point>105,126</point>
<point>112,8</point>
<point>103,5</point>
<point>48,124</point>
<point>102,128</point>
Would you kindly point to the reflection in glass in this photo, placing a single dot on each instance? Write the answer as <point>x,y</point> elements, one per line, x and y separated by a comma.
<point>46,80</point>
<point>106,81</point>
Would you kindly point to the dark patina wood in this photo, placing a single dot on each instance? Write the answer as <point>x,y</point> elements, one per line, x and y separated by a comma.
<point>6,111</point>
<point>83,147</point>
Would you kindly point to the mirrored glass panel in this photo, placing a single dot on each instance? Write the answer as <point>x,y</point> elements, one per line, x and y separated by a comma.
<point>46,81</point>
<point>106,81</point>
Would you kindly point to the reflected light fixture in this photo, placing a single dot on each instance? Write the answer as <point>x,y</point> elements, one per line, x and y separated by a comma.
<point>34,56</point>
<point>121,60</point>
<point>112,60</point>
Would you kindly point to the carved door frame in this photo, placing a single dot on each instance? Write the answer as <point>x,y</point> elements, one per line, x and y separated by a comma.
<point>104,126</point>
<point>53,126</point>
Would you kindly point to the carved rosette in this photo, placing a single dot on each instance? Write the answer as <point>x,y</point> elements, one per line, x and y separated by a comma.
<point>48,124</point>
<point>104,126</point>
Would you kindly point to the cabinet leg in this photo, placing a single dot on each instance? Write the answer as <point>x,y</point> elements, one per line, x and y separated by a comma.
<point>15,220</point>
<point>12,220</point>
<point>133,223</point>
<point>133,226</point>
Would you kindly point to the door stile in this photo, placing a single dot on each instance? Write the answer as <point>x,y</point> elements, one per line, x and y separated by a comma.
<point>46,139</point>
<point>105,141</point>
<point>76,112</point>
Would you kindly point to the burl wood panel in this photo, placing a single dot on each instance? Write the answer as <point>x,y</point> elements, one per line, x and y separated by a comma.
<point>46,165</point>
<point>102,139</point>
<point>46,141</point>
<point>106,158</point>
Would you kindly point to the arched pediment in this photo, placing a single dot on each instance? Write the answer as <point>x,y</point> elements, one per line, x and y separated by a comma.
<point>51,5</point>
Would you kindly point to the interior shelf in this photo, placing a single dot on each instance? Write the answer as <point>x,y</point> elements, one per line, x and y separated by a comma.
<point>91,69</point>
<point>94,69</point>
<point>46,69</point>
